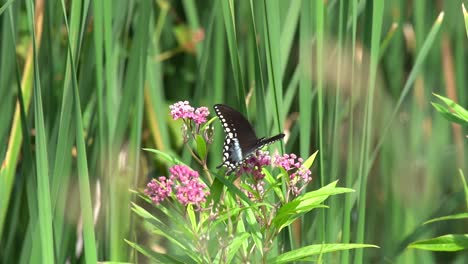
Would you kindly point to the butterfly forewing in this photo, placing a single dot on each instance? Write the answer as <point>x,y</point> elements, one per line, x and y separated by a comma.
<point>236,126</point>
<point>240,141</point>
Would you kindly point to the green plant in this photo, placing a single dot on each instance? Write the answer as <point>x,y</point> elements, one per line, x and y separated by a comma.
<point>451,242</point>
<point>238,219</point>
<point>451,110</point>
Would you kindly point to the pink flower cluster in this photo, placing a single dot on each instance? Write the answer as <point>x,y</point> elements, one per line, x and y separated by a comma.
<point>182,109</point>
<point>300,175</point>
<point>190,188</point>
<point>158,190</point>
<point>186,182</point>
<point>254,164</point>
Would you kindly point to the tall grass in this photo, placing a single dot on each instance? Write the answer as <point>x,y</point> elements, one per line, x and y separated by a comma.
<point>85,85</point>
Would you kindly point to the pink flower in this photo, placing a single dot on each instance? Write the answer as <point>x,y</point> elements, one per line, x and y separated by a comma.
<point>255,163</point>
<point>186,182</point>
<point>300,175</point>
<point>189,188</point>
<point>257,188</point>
<point>200,115</point>
<point>182,109</point>
<point>158,190</point>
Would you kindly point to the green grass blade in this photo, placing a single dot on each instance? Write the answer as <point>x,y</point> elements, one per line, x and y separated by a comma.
<point>9,164</point>
<point>465,17</point>
<point>305,252</point>
<point>410,81</point>
<point>447,243</point>
<point>448,217</point>
<point>377,18</point>
<point>42,164</point>
<point>230,24</point>
<point>319,70</point>
<point>465,186</point>
<point>288,31</point>
<point>305,83</point>
<point>83,176</point>
<point>272,38</point>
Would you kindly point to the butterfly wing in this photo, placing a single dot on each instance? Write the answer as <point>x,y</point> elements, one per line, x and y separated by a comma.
<point>240,140</point>
<point>271,140</point>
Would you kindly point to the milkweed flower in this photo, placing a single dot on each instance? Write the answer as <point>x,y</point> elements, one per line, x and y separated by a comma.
<point>183,182</point>
<point>190,190</point>
<point>201,114</point>
<point>184,110</point>
<point>254,164</point>
<point>299,175</point>
<point>159,190</point>
<point>181,109</point>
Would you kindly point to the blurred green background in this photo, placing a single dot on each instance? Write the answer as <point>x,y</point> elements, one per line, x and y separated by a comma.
<point>85,85</point>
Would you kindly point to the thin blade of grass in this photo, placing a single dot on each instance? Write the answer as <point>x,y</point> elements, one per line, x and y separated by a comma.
<point>230,25</point>
<point>15,139</point>
<point>83,176</point>
<point>377,18</point>
<point>42,164</point>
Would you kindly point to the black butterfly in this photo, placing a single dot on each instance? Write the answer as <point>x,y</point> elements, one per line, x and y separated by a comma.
<point>241,141</point>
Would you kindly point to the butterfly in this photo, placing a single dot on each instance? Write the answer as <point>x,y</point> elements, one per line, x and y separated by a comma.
<point>241,141</point>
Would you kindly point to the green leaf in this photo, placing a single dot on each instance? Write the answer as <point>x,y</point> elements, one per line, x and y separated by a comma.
<point>205,126</point>
<point>235,244</point>
<point>465,187</point>
<point>307,251</point>
<point>254,226</point>
<point>5,6</point>
<point>174,235</point>
<point>452,111</point>
<point>191,216</point>
<point>274,184</point>
<point>448,243</point>
<point>465,17</point>
<point>169,158</point>
<point>201,147</point>
<point>175,217</point>
<point>233,189</point>
<point>224,215</point>
<point>154,256</point>
<point>44,203</point>
<point>114,262</point>
<point>448,217</point>
<point>227,8</point>
<point>308,163</point>
<point>305,203</point>
<point>447,114</point>
<point>216,190</point>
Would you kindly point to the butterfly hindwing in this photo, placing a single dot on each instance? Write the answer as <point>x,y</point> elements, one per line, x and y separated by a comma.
<point>240,141</point>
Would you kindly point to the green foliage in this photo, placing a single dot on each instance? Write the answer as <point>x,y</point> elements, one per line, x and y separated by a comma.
<point>84,93</point>
<point>451,242</point>
<point>451,110</point>
<point>305,252</point>
<point>243,231</point>
<point>443,243</point>
<point>291,211</point>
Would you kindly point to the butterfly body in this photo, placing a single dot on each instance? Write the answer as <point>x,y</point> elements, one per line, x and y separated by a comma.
<point>240,142</point>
